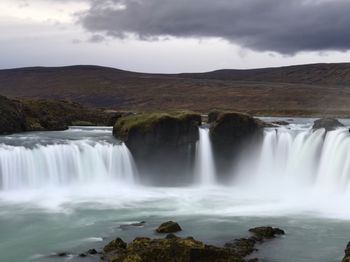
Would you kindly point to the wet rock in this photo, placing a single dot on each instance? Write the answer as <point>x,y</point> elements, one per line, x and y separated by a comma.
<point>169,227</point>
<point>163,144</point>
<point>213,116</point>
<point>131,225</point>
<point>262,233</point>
<point>116,244</point>
<point>347,253</point>
<point>92,251</point>
<point>280,123</point>
<point>176,249</point>
<point>229,135</point>
<point>242,246</point>
<point>327,123</point>
<point>173,250</point>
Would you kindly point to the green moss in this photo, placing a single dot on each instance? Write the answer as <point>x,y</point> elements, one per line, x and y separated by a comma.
<point>145,121</point>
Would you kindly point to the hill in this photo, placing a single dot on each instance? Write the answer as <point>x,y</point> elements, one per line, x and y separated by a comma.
<point>316,89</point>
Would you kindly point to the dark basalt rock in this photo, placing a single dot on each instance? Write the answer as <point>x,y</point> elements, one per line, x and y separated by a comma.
<point>132,225</point>
<point>327,123</point>
<point>169,227</point>
<point>280,123</point>
<point>347,253</point>
<point>262,233</point>
<point>162,144</point>
<point>229,133</point>
<point>116,244</point>
<point>213,116</point>
<point>176,249</point>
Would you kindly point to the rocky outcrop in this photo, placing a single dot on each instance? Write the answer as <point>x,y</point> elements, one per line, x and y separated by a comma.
<point>327,123</point>
<point>12,118</point>
<point>163,144</point>
<point>229,132</point>
<point>175,249</point>
<point>347,253</point>
<point>44,115</point>
<point>169,227</point>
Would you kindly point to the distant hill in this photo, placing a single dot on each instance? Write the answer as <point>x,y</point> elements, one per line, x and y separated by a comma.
<point>314,89</point>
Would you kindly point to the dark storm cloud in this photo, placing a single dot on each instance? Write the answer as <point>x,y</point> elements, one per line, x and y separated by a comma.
<point>285,26</point>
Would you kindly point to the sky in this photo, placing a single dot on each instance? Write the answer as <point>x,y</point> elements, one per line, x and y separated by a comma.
<point>171,36</point>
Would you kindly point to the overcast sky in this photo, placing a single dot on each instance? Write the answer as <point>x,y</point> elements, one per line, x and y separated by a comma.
<point>173,35</point>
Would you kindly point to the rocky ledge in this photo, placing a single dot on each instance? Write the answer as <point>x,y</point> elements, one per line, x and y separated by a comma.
<point>173,248</point>
<point>46,115</point>
<point>229,131</point>
<point>327,123</point>
<point>162,144</point>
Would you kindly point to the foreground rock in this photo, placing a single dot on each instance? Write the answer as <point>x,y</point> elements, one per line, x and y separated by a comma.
<point>176,249</point>
<point>169,227</point>
<point>163,144</point>
<point>347,253</point>
<point>229,133</point>
<point>327,123</point>
<point>44,115</point>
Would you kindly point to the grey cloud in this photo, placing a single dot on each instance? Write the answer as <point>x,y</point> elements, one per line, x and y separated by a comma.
<point>287,26</point>
<point>96,38</point>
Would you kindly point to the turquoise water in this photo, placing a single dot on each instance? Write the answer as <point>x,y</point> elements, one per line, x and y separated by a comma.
<point>77,215</point>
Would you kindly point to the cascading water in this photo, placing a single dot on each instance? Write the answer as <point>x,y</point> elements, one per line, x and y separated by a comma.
<point>64,164</point>
<point>205,168</point>
<point>301,158</point>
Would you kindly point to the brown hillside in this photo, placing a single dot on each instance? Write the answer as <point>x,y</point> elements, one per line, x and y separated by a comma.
<point>307,89</point>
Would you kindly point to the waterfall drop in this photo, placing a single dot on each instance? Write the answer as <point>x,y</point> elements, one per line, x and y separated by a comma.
<point>205,168</point>
<point>64,164</point>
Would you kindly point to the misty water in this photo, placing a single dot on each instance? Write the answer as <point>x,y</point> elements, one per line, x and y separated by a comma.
<point>78,189</point>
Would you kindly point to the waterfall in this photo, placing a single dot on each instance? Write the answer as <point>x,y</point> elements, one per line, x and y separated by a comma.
<point>204,168</point>
<point>64,164</point>
<point>300,158</point>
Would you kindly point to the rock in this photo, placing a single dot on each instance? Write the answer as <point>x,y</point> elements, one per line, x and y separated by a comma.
<point>172,250</point>
<point>131,225</point>
<point>327,123</point>
<point>347,253</point>
<point>169,227</point>
<point>176,249</point>
<point>116,244</point>
<point>280,123</point>
<point>262,233</point>
<point>162,144</point>
<point>229,133</point>
<point>242,246</point>
<point>213,116</point>
<point>12,118</point>
<point>44,115</point>
<point>92,251</point>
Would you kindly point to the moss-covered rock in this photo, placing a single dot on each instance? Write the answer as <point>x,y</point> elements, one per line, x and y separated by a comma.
<point>163,144</point>
<point>176,249</point>
<point>169,227</point>
<point>229,132</point>
<point>327,123</point>
<point>45,115</point>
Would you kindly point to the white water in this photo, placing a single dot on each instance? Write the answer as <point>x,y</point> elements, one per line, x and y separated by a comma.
<point>64,164</point>
<point>205,168</point>
<point>299,158</point>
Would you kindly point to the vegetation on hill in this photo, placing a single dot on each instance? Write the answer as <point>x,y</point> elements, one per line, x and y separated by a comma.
<point>318,90</point>
<point>40,115</point>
